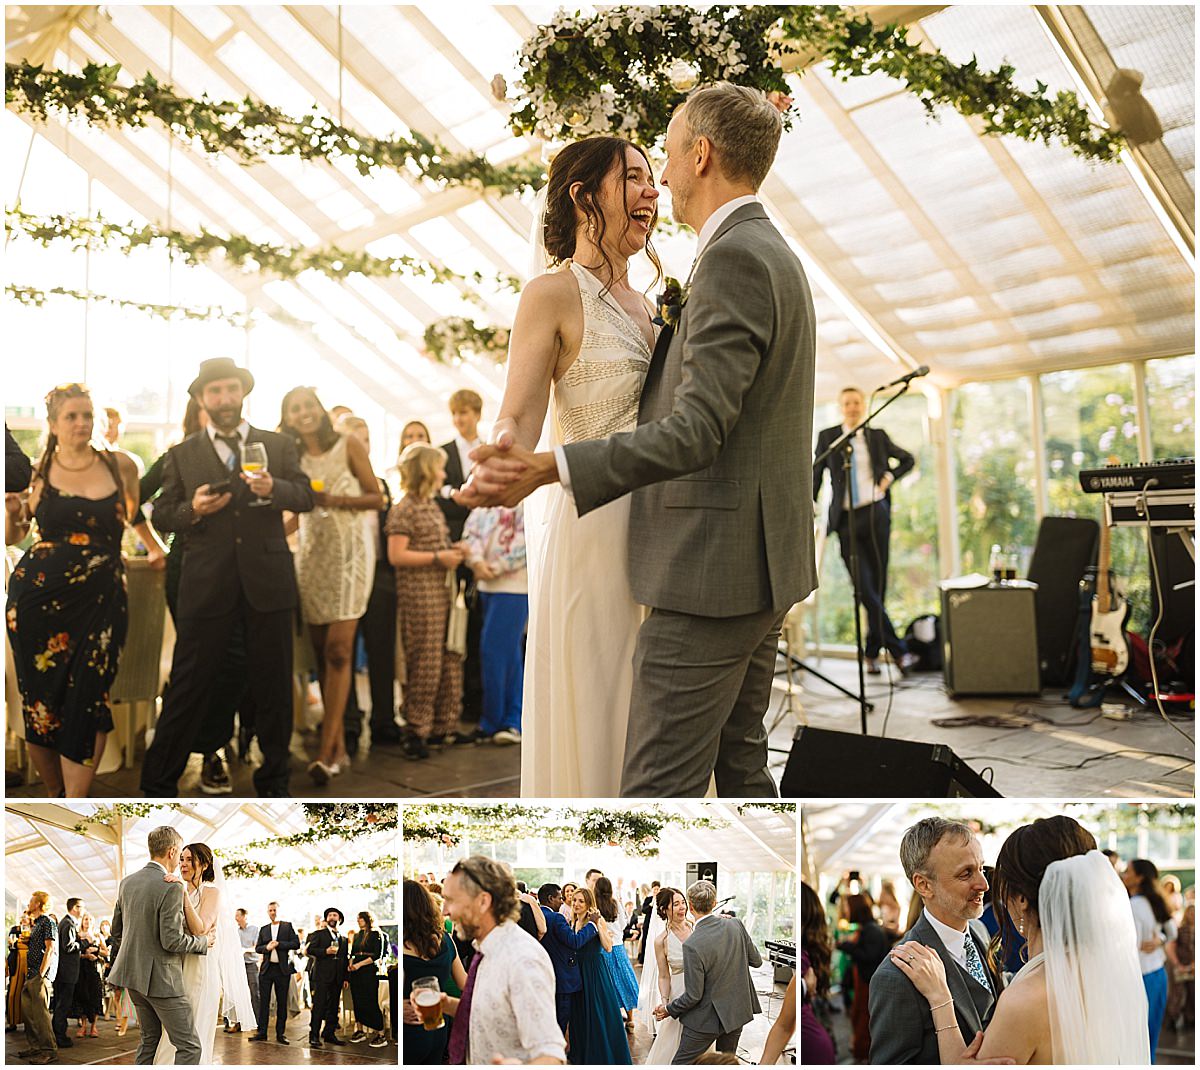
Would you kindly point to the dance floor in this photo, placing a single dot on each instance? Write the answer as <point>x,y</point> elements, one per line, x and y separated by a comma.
<point>231,1049</point>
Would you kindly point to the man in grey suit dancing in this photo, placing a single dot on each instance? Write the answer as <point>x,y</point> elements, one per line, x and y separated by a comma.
<point>149,940</point>
<point>721,521</point>
<point>945,864</point>
<point>718,994</point>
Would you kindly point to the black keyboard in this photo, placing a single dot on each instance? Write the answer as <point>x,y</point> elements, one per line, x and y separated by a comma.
<point>1178,473</point>
<point>782,952</point>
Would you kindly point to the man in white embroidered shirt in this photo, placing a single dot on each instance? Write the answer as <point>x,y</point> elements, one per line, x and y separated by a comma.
<point>506,1011</point>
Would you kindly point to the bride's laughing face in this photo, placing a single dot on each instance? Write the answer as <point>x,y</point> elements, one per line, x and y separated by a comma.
<point>679,909</point>
<point>628,200</point>
<point>185,864</point>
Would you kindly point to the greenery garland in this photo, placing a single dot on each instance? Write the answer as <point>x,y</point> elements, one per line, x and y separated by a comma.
<point>246,868</point>
<point>636,831</point>
<point>454,338</point>
<point>109,812</point>
<point>348,821</point>
<point>237,250</point>
<point>30,295</point>
<point>249,129</point>
<point>625,70</point>
<point>775,808</point>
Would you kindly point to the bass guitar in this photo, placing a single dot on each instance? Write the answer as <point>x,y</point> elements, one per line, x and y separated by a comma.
<point>1103,643</point>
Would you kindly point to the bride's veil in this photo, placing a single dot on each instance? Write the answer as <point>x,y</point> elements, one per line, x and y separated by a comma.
<point>648,994</point>
<point>1097,1002</point>
<point>230,963</point>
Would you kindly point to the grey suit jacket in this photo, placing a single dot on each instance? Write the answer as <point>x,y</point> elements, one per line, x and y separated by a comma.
<point>901,1021</point>
<point>722,515</point>
<point>718,994</point>
<point>149,935</point>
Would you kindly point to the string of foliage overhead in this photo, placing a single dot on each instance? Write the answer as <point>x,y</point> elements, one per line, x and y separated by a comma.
<point>249,129</point>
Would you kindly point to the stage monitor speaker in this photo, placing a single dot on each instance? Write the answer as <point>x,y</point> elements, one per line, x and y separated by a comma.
<point>990,637</point>
<point>1065,547</point>
<point>701,871</point>
<point>1177,596</point>
<point>826,765</point>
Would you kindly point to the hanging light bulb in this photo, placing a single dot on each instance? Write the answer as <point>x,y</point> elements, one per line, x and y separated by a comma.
<point>682,75</point>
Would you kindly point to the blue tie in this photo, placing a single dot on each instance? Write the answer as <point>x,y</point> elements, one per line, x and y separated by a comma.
<point>974,964</point>
<point>853,479</point>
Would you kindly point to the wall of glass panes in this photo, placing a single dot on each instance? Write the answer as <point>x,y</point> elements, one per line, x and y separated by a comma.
<point>1006,481</point>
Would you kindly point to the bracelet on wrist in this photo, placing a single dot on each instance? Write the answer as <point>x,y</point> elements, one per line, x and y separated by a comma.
<point>946,1028</point>
<point>941,1005</point>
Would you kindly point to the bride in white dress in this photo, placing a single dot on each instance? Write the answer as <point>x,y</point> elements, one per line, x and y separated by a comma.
<point>206,977</point>
<point>668,956</point>
<point>581,345</point>
<point>1079,998</point>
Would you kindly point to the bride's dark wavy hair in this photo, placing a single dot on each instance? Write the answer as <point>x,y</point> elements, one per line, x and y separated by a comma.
<point>588,162</point>
<point>202,855</point>
<point>1022,861</point>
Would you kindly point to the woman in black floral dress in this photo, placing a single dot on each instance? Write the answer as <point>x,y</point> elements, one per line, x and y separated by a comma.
<point>67,608</point>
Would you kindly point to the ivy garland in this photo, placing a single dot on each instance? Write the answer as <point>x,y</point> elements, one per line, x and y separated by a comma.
<point>249,129</point>
<point>454,338</point>
<point>29,295</point>
<point>775,808</point>
<point>636,831</point>
<point>244,867</point>
<point>349,821</point>
<point>108,813</point>
<point>237,250</point>
<point>626,69</point>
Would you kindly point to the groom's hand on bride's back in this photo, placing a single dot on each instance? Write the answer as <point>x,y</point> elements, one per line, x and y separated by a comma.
<point>212,939</point>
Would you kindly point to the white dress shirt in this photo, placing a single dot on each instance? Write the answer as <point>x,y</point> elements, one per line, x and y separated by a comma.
<point>512,1003</point>
<point>865,487</point>
<point>274,936</point>
<point>711,225</point>
<point>1147,927</point>
<point>954,940</point>
<point>223,451</point>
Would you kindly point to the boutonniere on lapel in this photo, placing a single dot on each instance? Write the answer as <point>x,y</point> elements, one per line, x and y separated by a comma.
<point>670,302</point>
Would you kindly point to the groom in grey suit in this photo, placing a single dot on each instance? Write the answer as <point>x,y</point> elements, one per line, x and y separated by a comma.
<point>149,938</point>
<point>721,520</point>
<point>945,864</point>
<point>718,993</point>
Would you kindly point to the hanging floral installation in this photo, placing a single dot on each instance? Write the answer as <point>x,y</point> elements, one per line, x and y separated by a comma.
<point>249,129</point>
<point>626,69</point>
<point>454,338</point>
<point>636,831</point>
<point>238,251</point>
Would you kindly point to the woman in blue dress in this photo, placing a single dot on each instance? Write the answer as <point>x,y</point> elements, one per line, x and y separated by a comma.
<point>596,1035</point>
<point>617,961</point>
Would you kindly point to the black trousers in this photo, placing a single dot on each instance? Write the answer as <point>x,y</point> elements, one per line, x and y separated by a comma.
<point>872,530</point>
<point>200,646</point>
<point>64,1000</point>
<point>472,665</point>
<point>324,1009</point>
<point>277,978</point>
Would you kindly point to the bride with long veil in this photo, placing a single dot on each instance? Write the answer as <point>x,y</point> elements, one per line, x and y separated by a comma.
<point>1079,997</point>
<point>206,977</point>
<point>662,975</point>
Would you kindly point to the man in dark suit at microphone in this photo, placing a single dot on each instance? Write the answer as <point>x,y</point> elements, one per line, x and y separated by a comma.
<point>865,500</point>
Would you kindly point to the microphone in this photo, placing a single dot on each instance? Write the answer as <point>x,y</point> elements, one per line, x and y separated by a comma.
<point>922,370</point>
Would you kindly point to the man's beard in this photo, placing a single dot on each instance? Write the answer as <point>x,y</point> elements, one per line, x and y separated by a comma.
<point>465,929</point>
<point>225,418</point>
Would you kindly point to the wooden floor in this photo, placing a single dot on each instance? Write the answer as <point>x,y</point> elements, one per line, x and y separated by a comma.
<point>1035,748</point>
<point>232,1049</point>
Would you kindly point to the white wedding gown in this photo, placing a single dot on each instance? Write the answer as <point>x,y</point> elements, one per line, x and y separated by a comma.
<point>202,986</point>
<point>583,621</point>
<point>669,1029</point>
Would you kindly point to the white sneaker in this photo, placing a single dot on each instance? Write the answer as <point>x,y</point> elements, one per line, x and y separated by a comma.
<point>507,735</point>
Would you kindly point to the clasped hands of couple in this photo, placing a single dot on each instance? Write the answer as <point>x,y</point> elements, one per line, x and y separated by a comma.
<point>175,878</point>
<point>505,474</point>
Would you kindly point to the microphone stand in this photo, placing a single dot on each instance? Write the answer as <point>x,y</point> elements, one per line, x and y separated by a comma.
<point>846,448</point>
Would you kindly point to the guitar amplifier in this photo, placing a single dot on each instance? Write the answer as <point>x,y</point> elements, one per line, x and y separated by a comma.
<point>991,640</point>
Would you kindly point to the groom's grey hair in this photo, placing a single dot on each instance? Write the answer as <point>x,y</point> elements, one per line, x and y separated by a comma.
<point>741,124</point>
<point>920,839</point>
<point>703,896</point>
<point>162,839</point>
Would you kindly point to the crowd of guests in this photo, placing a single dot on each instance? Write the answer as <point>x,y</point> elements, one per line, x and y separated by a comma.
<point>845,939</point>
<point>275,524</point>
<point>57,970</point>
<point>546,977</point>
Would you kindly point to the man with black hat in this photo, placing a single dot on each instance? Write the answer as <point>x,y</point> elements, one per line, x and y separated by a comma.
<point>327,952</point>
<point>237,565</point>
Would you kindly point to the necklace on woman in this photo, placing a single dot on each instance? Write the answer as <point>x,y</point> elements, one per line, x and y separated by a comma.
<point>81,468</point>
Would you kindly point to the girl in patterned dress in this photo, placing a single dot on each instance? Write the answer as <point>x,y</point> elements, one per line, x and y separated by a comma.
<point>419,547</point>
<point>335,567</point>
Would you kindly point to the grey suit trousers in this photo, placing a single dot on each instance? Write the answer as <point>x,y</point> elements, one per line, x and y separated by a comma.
<point>701,685</point>
<point>692,1044</point>
<point>174,1014</point>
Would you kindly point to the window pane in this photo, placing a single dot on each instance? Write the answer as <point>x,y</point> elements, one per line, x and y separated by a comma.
<point>994,466</point>
<point>1171,399</point>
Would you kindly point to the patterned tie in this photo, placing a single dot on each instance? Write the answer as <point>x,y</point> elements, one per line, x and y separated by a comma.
<point>234,443</point>
<point>461,1032</point>
<point>974,963</point>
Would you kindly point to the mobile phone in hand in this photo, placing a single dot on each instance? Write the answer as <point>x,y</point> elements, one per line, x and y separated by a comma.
<point>223,486</point>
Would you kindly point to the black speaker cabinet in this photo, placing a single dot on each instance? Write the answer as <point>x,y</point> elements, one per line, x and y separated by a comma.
<point>990,637</point>
<point>826,765</point>
<point>1065,547</point>
<point>701,871</point>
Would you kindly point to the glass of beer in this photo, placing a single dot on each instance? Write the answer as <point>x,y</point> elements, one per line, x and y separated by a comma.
<point>427,996</point>
<point>254,462</point>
